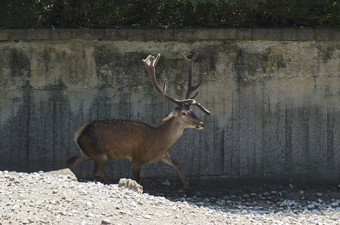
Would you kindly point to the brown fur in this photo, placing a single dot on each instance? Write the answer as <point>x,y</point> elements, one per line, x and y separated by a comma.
<point>138,142</point>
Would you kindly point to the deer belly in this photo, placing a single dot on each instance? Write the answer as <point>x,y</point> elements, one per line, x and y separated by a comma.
<point>119,149</point>
<point>118,152</point>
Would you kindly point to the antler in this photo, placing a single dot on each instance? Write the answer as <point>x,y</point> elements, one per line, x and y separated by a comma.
<point>150,63</point>
<point>191,88</point>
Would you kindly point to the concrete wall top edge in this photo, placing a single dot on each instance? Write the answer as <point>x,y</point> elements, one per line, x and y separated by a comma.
<point>275,34</point>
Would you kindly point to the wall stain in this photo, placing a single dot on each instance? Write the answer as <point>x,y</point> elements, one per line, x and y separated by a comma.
<point>325,54</point>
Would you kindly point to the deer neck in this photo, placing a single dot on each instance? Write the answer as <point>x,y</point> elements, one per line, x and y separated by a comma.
<point>169,132</point>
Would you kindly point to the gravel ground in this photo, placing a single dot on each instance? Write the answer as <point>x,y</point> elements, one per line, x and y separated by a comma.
<point>56,198</point>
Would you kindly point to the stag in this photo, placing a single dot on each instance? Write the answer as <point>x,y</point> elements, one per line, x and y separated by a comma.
<point>139,142</point>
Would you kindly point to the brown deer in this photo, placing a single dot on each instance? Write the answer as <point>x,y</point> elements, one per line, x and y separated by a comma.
<point>138,142</point>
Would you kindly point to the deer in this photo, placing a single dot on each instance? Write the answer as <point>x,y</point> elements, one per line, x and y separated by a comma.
<point>138,142</point>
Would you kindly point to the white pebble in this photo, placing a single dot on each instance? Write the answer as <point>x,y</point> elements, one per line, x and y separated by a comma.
<point>147,216</point>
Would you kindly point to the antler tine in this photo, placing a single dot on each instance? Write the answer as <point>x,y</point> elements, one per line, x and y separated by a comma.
<point>150,63</point>
<point>201,107</point>
<point>191,88</point>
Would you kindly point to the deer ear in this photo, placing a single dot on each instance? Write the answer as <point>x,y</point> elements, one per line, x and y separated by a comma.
<point>168,117</point>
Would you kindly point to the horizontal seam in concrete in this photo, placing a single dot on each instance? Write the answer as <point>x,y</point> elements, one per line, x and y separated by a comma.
<point>75,89</point>
<point>275,34</point>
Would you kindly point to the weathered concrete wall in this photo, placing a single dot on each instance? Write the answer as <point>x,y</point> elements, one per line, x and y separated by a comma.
<point>275,103</point>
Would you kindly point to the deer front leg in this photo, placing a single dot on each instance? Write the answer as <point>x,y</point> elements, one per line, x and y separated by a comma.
<point>136,168</point>
<point>167,160</point>
<point>99,167</point>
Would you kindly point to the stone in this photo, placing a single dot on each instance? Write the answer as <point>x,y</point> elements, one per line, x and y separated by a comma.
<point>246,196</point>
<point>335,204</point>
<point>130,184</point>
<point>106,221</point>
<point>66,172</point>
<point>311,206</point>
<point>147,216</point>
<point>166,183</point>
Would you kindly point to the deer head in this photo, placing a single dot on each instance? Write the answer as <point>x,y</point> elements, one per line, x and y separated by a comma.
<point>182,110</point>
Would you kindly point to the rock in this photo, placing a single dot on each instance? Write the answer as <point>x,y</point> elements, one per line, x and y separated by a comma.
<point>147,216</point>
<point>246,196</point>
<point>166,183</point>
<point>318,194</point>
<point>130,184</point>
<point>220,202</point>
<point>311,206</point>
<point>66,172</point>
<point>289,203</point>
<point>26,221</point>
<point>106,221</point>
<point>335,204</point>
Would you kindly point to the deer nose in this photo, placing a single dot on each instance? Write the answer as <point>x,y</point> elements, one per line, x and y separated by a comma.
<point>200,126</point>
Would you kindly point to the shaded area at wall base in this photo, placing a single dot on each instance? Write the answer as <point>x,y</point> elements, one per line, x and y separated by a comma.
<point>220,183</point>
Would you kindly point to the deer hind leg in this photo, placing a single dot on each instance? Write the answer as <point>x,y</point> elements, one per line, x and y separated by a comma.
<point>76,160</point>
<point>167,160</point>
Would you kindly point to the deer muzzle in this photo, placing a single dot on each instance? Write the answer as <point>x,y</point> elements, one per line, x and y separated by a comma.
<point>200,126</point>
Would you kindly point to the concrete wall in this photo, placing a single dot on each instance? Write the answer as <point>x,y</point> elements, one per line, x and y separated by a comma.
<point>274,96</point>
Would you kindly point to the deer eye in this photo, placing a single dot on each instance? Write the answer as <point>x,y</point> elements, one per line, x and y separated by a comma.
<point>184,113</point>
